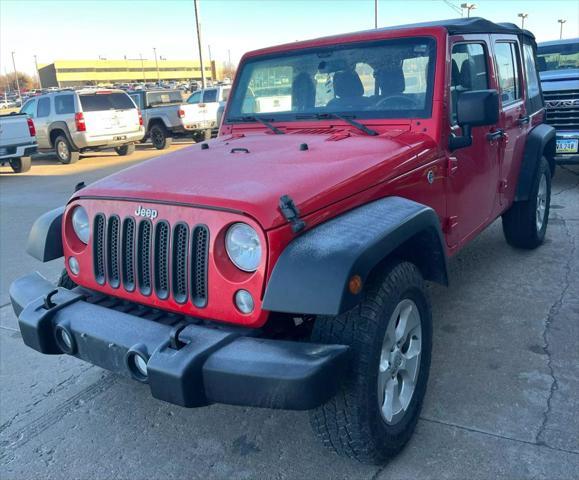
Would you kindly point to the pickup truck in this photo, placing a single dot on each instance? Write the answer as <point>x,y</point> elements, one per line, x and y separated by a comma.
<point>284,263</point>
<point>558,63</point>
<point>17,141</point>
<point>206,105</point>
<point>165,115</point>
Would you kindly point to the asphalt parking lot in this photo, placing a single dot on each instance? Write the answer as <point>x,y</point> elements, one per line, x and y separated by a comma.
<point>502,400</point>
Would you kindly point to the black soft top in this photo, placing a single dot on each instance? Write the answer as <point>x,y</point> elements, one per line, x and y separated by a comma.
<point>460,26</point>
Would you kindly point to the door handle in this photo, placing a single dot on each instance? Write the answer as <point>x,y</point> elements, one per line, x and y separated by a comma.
<point>496,135</point>
<point>523,120</point>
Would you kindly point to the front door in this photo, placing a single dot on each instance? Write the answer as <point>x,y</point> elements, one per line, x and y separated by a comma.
<point>473,173</point>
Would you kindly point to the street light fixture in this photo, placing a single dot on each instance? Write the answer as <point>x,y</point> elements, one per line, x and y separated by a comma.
<point>16,77</point>
<point>468,7</point>
<point>561,21</point>
<point>523,16</point>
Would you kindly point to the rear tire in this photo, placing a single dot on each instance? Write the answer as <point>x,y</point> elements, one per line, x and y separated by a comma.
<point>65,281</point>
<point>21,165</point>
<point>159,137</point>
<point>377,406</point>
<point>125,149</point>
<point>64,151</point>
<point>525,223</point>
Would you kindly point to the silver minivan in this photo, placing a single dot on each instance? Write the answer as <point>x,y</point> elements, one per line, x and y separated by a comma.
<point>71,122</point>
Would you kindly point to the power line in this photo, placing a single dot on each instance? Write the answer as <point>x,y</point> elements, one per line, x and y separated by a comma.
<point>456,8</point>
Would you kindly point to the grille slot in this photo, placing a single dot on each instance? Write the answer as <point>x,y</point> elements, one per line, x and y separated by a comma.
<point>199,254</point>
<point>128,246</point>
<point>179,262</point>
<point>144,257</point>
<point>562,114</point>
<point>161,260</point>
<point>152,258</point>
<point>113,263</point>
<point>99,248</point>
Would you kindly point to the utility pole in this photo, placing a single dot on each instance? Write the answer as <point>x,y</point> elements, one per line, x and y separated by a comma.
<point>375,13</point>
<point>211,63</point>
<point>523,16</point>
<point>561,21</point>
<point>157,64</point>
<point>16,77</point>
<point>468,7</point>
<point>37,72</point>
<point>142,68</point>
<point>195,2</point>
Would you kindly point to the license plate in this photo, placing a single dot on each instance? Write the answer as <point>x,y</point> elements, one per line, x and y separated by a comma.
<point>120,137</point>
<point>567,146</point>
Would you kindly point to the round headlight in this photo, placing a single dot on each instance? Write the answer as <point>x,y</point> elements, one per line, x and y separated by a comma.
<point>80,224</point>
<point>243,247</point>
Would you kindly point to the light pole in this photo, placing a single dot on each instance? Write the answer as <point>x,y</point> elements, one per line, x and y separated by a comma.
<point>157,64</point>
<point>211,63</point>
<point>468,7</point>
<point>142,68</point>
<point>375,13</point>
<point>37,73</point>
<point>199,43</point>
<point>16,77</point>
<point>561,21</point>
<point>523,16</point>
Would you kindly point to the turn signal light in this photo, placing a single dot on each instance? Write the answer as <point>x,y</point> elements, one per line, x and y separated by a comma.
<point>79,122</point>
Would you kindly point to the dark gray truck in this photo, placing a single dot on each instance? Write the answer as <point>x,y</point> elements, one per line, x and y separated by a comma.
<point>558,63</point>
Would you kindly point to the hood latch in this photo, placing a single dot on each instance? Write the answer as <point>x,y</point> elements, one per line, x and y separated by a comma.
<point>291,213</point>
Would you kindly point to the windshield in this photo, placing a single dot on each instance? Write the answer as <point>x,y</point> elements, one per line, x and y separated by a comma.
<point>387,79</point>
<point>558,57</point>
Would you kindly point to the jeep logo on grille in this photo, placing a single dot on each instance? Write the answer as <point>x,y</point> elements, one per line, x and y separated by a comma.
<point>562,104</point>
<point>146,212</point>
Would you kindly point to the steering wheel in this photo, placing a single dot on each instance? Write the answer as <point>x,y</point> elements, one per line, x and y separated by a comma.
<point>406,102</point>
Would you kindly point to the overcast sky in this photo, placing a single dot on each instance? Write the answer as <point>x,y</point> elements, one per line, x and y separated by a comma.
<point>85,29</point>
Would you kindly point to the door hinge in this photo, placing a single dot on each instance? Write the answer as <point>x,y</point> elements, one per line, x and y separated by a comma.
<point>450,223</point>
<point>503,185</point>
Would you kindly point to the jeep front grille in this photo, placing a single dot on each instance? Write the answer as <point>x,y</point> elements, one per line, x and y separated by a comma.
<point>153,258</point>
<point>562,108</point>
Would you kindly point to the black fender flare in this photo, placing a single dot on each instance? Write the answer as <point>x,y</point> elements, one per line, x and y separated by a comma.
<point>312,274</point>
<point>540,141</point>
<point>45,237</point>
<point>64,127</point>
<point>154,120</point>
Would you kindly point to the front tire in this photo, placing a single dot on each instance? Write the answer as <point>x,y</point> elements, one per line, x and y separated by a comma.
<point>64,151</point>
<point>125,149</point>
<point>525,223</point>
<point>159,137</point>
<point>377,406</point>
<point>21,165</point>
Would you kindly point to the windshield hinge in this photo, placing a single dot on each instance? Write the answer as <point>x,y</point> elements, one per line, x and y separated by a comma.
<point>291,213</point>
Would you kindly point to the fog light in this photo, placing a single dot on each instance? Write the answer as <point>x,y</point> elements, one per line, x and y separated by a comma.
<point>73,265</point>
<point>244,301</point>
<point>64,340</point>
<point>138,366</point>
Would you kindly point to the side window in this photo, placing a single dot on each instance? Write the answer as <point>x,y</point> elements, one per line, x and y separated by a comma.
<point>195,98</point>
<point>63,104</point>
<point>469,72</point>
<point>534,101</point>
<point>210,96</point>
<point>43,107</point>
<point>29,108</point>
<point>507,54</point>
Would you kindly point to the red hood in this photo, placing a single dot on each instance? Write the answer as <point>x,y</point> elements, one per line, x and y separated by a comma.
<point>332,168</point>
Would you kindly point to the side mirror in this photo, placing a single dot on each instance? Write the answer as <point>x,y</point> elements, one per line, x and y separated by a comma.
<point>474,109</point>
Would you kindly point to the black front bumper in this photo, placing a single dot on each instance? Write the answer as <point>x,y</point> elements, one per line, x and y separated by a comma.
<point>188,364</point>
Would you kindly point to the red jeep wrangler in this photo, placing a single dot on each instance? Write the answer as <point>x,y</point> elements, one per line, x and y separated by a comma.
<point>283,264</point>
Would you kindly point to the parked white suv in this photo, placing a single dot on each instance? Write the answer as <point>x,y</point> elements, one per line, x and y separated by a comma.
<point>71,122</point>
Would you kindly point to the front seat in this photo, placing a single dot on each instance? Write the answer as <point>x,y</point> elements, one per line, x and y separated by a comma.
<point>303,93</point>
<point>391,81</point>
<point>348,91</point>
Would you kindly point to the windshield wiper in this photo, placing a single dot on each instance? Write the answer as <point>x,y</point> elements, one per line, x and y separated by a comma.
<point>255,118</point>
<point>348,119</point>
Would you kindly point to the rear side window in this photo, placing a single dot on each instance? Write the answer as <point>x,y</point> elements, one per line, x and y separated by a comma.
<point>63,104</point>
<point>210,96</point>
<point>94,102</point>
<point>137,99</point>
<point>534,100</point>
<point>508,71</point>
<point>195,98</point>
<point>43,107</point>
<point>469,72</point>
<point>162,98</point>
<point>29,108</point>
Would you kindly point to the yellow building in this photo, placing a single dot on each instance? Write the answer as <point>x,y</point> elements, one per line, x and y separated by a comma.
<point>67,73</point>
